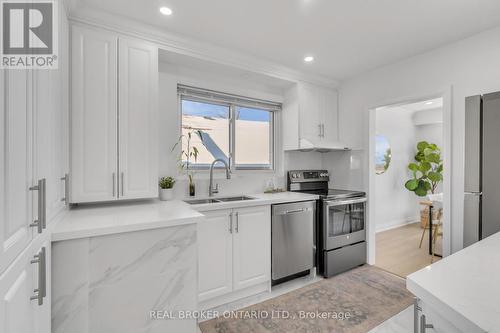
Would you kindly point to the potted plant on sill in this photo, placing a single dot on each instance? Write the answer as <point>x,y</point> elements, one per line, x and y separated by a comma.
<point>166,188</point>
<point>185,156</point>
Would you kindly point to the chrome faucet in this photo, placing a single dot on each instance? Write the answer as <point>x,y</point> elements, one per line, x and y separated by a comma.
<point>211,189</point>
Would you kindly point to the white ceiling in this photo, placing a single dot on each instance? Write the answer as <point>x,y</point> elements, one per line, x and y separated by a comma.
<point>182,62</point>
<point>431,104</point>
<point>346,37</point>
<point>435,104</point>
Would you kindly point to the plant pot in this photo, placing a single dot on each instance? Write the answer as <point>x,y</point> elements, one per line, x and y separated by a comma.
<point>166,194</point>
<point>192,189</point>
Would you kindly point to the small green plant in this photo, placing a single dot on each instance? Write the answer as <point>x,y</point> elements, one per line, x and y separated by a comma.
<point>427,171</point>
<point>185,155</point>
<point>166,182</point>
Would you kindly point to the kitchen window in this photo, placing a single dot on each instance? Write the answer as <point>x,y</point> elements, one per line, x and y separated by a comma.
<point>233,128</point>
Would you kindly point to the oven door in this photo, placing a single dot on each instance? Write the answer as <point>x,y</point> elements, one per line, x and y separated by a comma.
<point>343,222</point>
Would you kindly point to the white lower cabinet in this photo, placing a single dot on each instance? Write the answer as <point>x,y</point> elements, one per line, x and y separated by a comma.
<point>25,293</point>
<point>234,254</point>
<point>215,251</point>
<point>251,247</point>
<point>429,319</point>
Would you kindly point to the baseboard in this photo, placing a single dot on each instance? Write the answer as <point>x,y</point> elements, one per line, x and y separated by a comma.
<point>397,224</point>
<point>234,296</point>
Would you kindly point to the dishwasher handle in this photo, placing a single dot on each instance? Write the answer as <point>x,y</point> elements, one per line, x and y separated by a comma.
<point>295,211</point>
<point>294,208</point>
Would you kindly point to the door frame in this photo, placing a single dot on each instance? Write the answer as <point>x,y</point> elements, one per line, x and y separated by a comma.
<point>446,95</point>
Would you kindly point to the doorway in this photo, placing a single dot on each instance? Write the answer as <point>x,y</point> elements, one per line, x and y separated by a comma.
<point>408,153</point>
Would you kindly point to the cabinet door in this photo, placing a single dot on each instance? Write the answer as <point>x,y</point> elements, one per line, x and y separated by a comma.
<point>18,313</point>
<point>48,147</point>
<point>138,114</point>
<point>309,112</point>
<point>252,246</point>
<point>329,114</point>
<point>43,320</point>
<point>215,249</point>
<point>16,157</point>
<point>93,116</point>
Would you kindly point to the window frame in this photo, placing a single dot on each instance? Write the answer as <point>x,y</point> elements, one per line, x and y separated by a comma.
<point>232,134</point>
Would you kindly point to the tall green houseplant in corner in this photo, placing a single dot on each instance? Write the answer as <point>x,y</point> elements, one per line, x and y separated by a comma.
<point>427,170</point>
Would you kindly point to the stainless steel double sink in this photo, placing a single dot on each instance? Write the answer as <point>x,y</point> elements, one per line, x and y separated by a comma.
<point>218,200</point>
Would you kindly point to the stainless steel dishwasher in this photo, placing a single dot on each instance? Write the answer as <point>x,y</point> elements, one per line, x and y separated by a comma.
<point>292,240</point>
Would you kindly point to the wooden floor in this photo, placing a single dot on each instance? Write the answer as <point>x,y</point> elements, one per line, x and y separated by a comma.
<point>397,250</point>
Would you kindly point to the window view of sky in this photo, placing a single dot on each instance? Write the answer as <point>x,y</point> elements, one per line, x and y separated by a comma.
<point>191,108</point>
<point>252,132</point>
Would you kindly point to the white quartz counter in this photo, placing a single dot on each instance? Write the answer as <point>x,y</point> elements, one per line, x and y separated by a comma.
<point>465,286</point>
<point>260,199</point>
<point>110,218</point>
<point>104,219</point>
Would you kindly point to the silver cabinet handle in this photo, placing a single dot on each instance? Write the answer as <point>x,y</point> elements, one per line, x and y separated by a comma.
<point>322,130</point>
<point>65,179</point>
<point>122,183</point>
<point>114,183</point>
<point>416,309</point>
<point>333,203</point>
<point>41,291</point>
<point>237,222</point>
<point>319,127</point>
<point>423,324</point>
<point>40,222</point>
<point>231,223</point>
<point>43,193</point>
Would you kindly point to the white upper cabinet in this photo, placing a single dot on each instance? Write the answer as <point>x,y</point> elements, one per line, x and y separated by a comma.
<point>309,116</point>
<point>329,115</point>
<point>93,116</point>
<point>138,117</point>
<point>17,176</point>
<point>50,138</point>
<point>114,117</point>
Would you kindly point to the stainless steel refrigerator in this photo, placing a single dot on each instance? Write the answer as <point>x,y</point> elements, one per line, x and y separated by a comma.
<point>482,167</point>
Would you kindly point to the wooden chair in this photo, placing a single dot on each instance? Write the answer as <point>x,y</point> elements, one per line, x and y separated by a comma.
<point>436,225</point>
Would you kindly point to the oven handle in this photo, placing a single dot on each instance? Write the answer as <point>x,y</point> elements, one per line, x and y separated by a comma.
<point>332,203</point>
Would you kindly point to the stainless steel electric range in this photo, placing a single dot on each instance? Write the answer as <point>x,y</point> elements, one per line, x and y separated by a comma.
<point>341,229</point>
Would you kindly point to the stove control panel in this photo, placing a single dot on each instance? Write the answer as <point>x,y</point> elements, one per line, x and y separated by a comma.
<point>300,176</point>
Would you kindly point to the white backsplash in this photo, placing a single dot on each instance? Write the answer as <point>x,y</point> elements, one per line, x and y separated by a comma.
<point>346,170</point>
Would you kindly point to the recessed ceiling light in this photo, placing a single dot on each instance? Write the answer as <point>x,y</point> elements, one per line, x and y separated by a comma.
<point>428,103</point>
<point>308,58</point>
<point>166,11</point>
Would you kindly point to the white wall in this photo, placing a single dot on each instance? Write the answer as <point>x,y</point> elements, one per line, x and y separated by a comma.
<point>432,133</point>
<point>241,181</point>
<point>394,204</point>
<point>469,66</point>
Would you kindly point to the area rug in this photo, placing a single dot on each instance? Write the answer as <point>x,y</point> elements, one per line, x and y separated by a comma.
<point>353,302</point>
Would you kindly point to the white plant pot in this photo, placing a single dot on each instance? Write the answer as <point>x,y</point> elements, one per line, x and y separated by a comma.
<point>166,194</point>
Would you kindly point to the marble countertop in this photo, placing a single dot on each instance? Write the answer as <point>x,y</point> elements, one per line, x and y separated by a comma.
<point>465,286</point>
<point>92,220</point>
<point>260,199</point>
<point>110,218</point>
